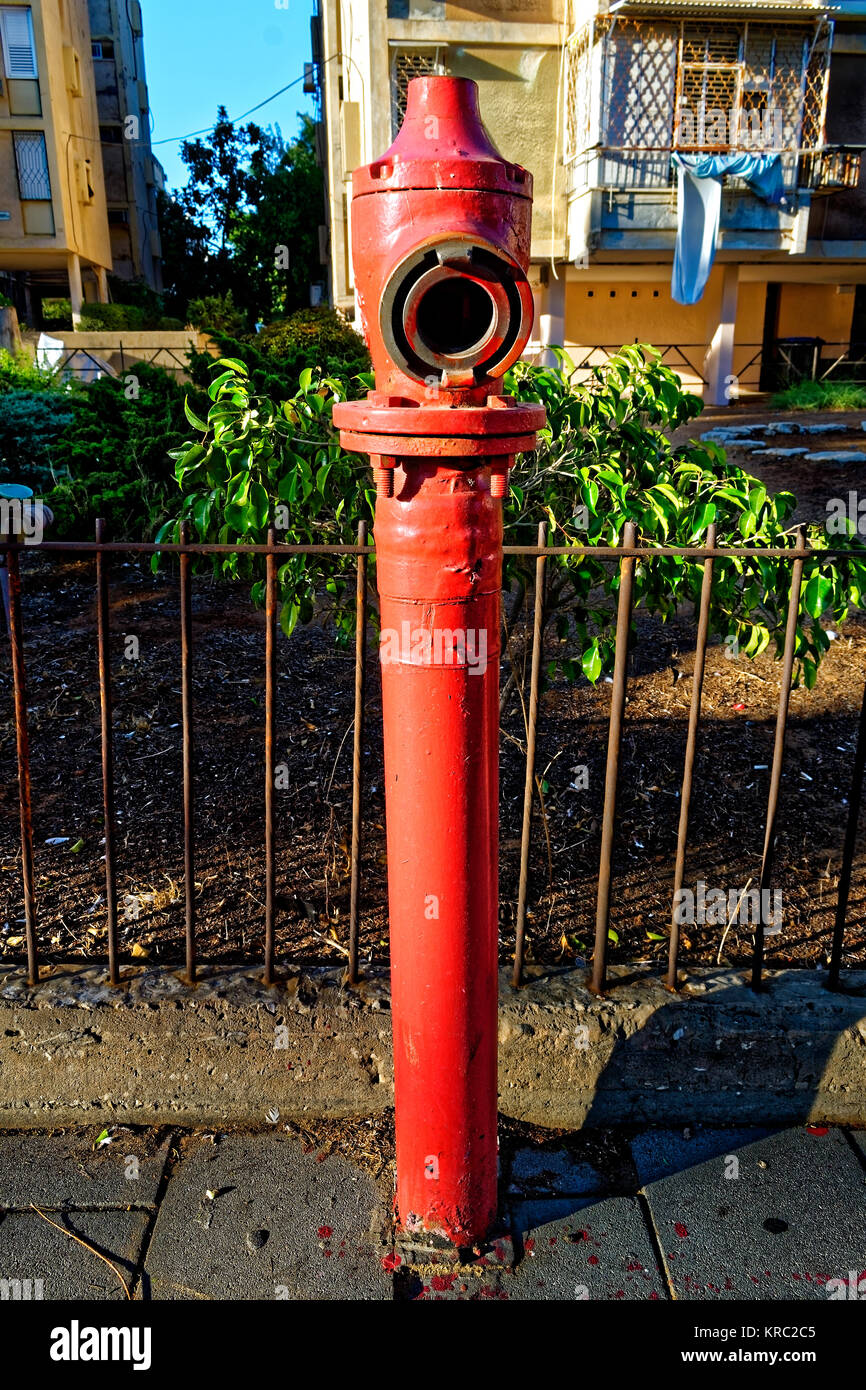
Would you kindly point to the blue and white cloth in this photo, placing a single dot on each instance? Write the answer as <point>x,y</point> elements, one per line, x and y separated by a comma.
<point>699,202</point>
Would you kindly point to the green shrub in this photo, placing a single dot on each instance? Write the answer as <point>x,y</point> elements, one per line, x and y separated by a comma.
<point>114,318</point>
<point>31,425</point>
<point>319,335</point>
<point>57,313</point>
<point>822,395</point>
<point>217,313</point>
<point>112,460</point>
<point>318,339</point>
<point>19,372</point>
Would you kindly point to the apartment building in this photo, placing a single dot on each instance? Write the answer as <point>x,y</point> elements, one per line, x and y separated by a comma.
<point>132,174</point>
<point>612,104</point>
<point>53,222</point>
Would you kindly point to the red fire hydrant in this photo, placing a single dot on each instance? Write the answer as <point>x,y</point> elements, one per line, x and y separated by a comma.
<point>440,242</point>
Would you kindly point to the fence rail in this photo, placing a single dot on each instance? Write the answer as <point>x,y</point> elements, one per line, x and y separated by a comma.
<point>626,555</point>
<point>92,360</point>
<point>828,360</point>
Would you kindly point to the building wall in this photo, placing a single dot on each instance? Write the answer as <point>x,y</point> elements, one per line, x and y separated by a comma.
<point>518,93</point>
<point>128,161</point>
<point>70,125</point>
<point>817,310</point>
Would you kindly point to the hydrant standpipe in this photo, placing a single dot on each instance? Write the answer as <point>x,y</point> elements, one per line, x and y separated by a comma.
<point>440,244</point>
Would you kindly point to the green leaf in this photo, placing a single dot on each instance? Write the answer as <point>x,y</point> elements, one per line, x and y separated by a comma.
<point>258,505</point>
<point>192,417</point>
<point>591,661</point>
<point>289,614</point>
<point>816,594</point>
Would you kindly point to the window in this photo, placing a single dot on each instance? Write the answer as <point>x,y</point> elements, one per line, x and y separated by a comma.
<point>118,217</point>
<point>102,48</point>
<point>111,134</point>
<point>19,50</point>
<point>405,66</point>
<point>31,161</point>
<point>710,76</point>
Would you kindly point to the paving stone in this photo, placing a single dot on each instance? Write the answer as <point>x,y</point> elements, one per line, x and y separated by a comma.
<point>601,1250</point>
<point>826,427</point>
<point>64,1170</point>
<point>735,435</point>
<point>658,1153</point>
<point>281,1223</point>
<point>778,453</point>
<point>32,1250</point>
<point>553,1170</point>
<point>840,457</point>
<point>568,1250</point>
<point>777,1231</point>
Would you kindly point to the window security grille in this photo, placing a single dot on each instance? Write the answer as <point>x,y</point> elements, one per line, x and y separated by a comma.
<point>31,160</point>
<point>679,84</point>
<point>405,65</point>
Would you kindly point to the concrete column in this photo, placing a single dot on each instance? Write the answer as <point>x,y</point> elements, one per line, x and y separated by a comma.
<point>76,289</point>
<point>101,283</point>
<point>551,319</point>
<point>721,389</point>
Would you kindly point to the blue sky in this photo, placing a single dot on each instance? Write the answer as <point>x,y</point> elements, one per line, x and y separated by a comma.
<point>200,53</point>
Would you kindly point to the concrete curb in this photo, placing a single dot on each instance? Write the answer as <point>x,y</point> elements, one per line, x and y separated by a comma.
<point>231,1051</point>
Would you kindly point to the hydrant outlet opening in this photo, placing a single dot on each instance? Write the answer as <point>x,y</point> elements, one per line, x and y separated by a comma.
<point>456,310</point>
<point>454,316</point>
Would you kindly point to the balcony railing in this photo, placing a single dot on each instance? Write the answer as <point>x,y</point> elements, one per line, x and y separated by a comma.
<point>628,168</point>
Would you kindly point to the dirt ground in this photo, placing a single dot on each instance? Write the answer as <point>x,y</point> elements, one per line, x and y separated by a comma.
<point>315,704</point>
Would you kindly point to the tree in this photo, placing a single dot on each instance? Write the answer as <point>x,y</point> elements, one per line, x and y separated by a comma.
<point>187,272</point>
<point>275,244</point>
<point>246,221</point>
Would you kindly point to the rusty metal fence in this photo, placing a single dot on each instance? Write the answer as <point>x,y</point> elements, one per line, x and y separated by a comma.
<point>625,556</point>
<point>826,361</point>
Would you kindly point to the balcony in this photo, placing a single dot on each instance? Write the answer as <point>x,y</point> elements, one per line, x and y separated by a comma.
<point>639,90</point>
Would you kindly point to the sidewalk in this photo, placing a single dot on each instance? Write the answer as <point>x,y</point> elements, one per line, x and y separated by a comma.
<point>657,1214</point>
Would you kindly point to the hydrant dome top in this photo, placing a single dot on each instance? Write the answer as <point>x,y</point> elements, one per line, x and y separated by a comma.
<point>441,144</point>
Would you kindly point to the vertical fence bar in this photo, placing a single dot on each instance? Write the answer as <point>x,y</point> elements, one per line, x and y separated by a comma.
<point>186,715</point>
<point>528,786</point>
<point>779,750</point>
<point>689,764</point>
<point>107,741</point>
<point>270,697</point>
<point>22,747</point>
<point>854,802</point>
<point>614,744</point>
<point>358,749</point>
